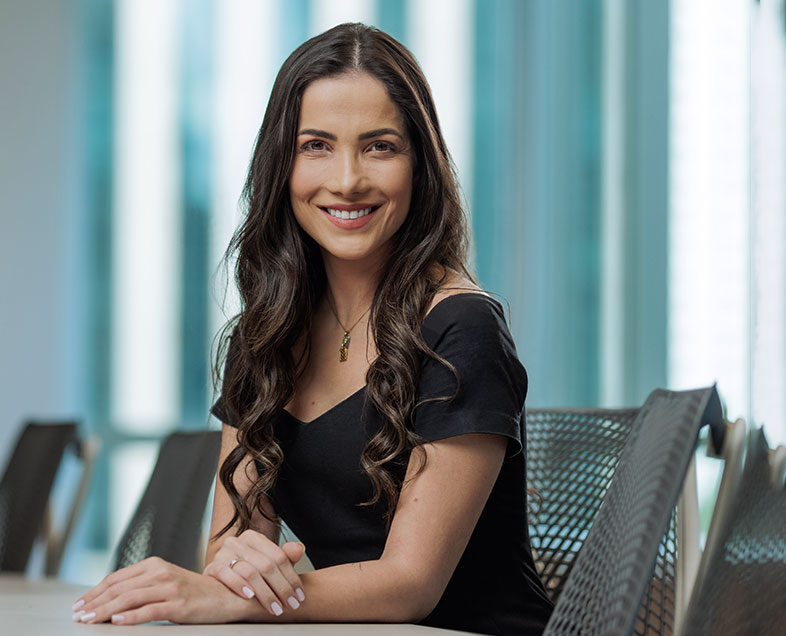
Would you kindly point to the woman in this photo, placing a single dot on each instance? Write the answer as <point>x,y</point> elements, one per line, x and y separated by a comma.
<point>372,397</point>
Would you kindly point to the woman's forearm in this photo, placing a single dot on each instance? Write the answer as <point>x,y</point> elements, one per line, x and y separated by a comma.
<point>382,591</point>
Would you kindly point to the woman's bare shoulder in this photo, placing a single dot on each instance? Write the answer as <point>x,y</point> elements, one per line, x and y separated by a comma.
<point>454,283</point>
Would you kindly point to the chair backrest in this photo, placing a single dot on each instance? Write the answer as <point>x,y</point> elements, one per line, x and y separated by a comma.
<point>57,538</point>
<point>168,520</point>
<point>618,560</point>
<point>740,588</point>
<point>26,485</point>
<point>571,457</point>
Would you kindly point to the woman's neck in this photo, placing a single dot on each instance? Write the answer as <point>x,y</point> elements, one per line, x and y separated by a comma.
<point>351,285</point>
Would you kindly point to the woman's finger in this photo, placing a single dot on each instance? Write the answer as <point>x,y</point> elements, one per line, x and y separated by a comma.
<point>294,551</point>
<point>110,594</point>
<point>129,600</point>
<point>276,560</point>
<point>230,578</point>
<point>275,568</point>
<point>109,580</point>
<point>264,592</point>
<point>152,612</point>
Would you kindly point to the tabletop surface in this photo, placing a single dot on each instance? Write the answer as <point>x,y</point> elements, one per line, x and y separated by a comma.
<point>43,607</point>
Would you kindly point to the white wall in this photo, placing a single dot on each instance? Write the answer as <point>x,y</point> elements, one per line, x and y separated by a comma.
<point>40,253</point>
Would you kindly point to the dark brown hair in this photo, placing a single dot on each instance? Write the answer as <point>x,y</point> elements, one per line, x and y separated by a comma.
<point>281,278</point>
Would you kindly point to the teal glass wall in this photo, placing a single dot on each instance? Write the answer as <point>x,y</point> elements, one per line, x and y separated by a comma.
<point>536,170</point>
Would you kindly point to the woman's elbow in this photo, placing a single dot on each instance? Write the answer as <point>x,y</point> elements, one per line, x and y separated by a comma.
<point>416,598</point>
<point>417,611</point>
<point>408,610</point>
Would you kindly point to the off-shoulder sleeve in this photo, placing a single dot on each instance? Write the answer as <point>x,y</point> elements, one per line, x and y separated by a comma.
<point>469,331</point>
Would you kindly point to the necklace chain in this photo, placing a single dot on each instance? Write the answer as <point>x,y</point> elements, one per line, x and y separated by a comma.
<point>343,352</point>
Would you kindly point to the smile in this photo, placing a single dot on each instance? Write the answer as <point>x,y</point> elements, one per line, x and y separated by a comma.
<point>349,214</point>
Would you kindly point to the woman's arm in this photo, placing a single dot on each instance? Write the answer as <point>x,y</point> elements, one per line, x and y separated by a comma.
<point>436,514</point>
<point>156,590</point>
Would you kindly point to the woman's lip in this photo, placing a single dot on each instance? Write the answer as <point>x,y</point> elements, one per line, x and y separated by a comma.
<point>349,224</point>
<point>348,207</point>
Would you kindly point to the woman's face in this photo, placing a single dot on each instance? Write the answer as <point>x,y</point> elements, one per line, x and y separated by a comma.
<point>351,182</point>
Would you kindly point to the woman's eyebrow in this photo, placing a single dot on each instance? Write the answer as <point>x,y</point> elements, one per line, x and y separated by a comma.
<point>366,135</point>
<point>379,132</point>
<point>317,133</point>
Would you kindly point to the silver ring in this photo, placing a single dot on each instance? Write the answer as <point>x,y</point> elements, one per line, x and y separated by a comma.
<point>233,563</point>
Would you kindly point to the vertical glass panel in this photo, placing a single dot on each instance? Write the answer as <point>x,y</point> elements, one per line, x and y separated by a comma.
<point>246,49</point>
<point>447,56</point>
<point>146,238</point>
<point>768,240</point>
<point>328,13</point>
<point>709,198</point>
<point>612,222</point>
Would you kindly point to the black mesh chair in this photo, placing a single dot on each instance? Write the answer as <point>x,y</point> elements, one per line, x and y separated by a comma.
<point>168,520</point>
<point>571,458</point>
<point>740,587</point>
<point>618,565</point>
<point>26,486</point>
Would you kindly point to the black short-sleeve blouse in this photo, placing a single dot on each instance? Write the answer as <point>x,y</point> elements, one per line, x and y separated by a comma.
<point>495,588</point>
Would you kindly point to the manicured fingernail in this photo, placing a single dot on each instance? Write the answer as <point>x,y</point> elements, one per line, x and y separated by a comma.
<point>76,616</point>
<point>248,592</point>
<point>300,595</point>
<point>87,617</point>
<point>78,604</point>
<point>276,609</point>
<point>118,618</point>
<point>293,602</point>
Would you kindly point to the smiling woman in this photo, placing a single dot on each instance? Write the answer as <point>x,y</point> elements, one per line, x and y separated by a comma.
<point>400,461</point>
<point>351,184</point>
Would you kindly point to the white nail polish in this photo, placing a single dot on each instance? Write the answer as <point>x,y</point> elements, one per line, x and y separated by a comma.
<point>87,617</point>
<point>293,602</point>
<point>300,595</point>
<point>78,604</point>
<point>77,615</point>
<point>118,618</point>
<point>276,609</point>
<point>248,592</point>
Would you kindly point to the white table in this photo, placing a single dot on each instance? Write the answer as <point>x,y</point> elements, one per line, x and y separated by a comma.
<point>42,607</point>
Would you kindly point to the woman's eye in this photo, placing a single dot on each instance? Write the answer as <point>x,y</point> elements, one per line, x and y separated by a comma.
<point>313,146</point>
<point>382,146</point>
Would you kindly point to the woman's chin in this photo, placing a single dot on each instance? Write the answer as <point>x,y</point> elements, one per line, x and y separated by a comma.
<point>359,255</point>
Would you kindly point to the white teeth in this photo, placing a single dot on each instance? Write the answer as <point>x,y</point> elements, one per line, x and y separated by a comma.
<point>343,214</point>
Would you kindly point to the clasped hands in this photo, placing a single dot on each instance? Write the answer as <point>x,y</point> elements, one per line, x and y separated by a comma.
<point>245,568</point>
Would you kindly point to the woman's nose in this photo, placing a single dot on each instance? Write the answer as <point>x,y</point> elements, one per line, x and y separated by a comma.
<point>348,176</point>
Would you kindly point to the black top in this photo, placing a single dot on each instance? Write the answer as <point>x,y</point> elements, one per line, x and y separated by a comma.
<point>495,588</point>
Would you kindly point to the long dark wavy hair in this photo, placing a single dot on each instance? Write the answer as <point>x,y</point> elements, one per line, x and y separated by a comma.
<point>281,277</point>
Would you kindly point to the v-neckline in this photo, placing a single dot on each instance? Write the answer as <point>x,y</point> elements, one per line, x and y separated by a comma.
<point>362,389</point>
<point>336,406</point>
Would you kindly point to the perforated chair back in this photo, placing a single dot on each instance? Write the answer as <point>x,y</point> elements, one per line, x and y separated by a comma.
<point>26,486</point>
<point>168,520</point>
<point>618,561</point>
<point>571,457</point>
<point>740,588</point>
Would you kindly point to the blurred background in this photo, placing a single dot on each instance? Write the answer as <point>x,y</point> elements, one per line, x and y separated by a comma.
<point>623,161</point>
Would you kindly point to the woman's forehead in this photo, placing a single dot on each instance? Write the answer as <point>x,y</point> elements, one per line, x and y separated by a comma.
<point>353,102</point>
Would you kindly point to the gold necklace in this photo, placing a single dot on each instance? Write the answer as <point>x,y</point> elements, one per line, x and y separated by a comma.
<point>343,352</point>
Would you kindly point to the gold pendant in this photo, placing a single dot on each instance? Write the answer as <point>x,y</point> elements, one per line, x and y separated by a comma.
<point>344,351</point>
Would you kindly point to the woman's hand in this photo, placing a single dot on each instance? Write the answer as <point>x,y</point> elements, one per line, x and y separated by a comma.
<point>251,565</point>
<point>154,590</point>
